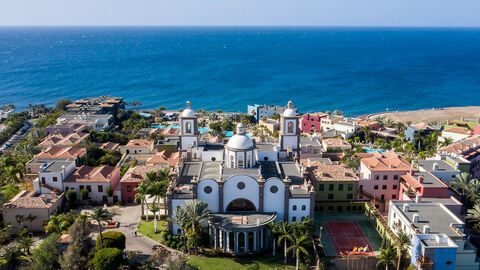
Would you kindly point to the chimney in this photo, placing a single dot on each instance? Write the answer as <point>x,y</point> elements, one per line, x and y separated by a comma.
<point>420,178</point>
<point>435,166</point>
<point>418,198</point>
<point>426,229</point>
<point>406,207</point>
<point>54,195</point>
<point>416,217</point>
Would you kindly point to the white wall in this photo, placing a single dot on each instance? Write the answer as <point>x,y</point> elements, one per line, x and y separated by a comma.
<point>188,141</point>
<point>452,135</point>
<point>290,141</point>
<point>272,156</point>
<point>211,198</point>
<point>231,191</point>
<point>299,213</point>
<point>94,194</point>
<point>207,155</point>
<point>176,203</point>
<point>274,202</point>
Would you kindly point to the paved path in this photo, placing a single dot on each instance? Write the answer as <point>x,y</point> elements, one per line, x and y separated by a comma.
<point>129,217</point>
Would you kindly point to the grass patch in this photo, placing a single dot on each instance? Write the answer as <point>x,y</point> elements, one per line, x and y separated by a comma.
<point>146,228</point>
<point>265,261</point>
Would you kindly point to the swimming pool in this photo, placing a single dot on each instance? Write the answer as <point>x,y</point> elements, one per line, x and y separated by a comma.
<point>146,115</point>
<point>177,126</point>
<point>368,150</point>
<point>229,134</point>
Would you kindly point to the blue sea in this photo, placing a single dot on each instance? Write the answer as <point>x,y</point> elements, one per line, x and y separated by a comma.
<point>356,70</point>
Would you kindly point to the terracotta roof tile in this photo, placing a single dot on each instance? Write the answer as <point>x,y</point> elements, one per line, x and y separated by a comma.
<point>138,173</point>
<point>93,174</point>
<point>164,157</point>
<point>329,172</point>
<point>139,143</point>
<point>387,161</point>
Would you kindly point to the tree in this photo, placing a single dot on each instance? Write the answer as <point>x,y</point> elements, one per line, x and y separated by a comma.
<point>142,191</point>
<point>100,214</point>
<point>59,223</point>
<point>387,257</point>
<point>71,196</point>
<point>446,141</point>
<point>112,239</point>
<point>403,243</point>
<point>473,215</point>
<point>177,262</point>
<point>282,229</point>
<point>13,256</point>
<point>461,182</point>
<point>75,257</point>
<point>181,219</point>
<point>47,255</point>
<point>299,244</point>
<point>62,103</point>
<point>107,259</point>
<point>25,243</point>
<point>84,194</point>
<point>109,192</point>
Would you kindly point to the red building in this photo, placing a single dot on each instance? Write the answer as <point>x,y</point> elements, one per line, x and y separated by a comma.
<point>132,178</point>
<point>422,184</point>
<point>311,122</point>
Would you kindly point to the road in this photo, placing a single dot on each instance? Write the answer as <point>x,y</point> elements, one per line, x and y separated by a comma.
<point>17,137</point>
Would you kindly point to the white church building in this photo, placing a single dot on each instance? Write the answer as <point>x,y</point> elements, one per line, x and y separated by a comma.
<point>246,185</point>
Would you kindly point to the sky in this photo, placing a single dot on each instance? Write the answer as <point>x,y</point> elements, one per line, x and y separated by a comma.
<point>411,13</point>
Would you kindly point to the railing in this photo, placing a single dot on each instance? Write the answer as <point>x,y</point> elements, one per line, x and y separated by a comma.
<point>424,265</point>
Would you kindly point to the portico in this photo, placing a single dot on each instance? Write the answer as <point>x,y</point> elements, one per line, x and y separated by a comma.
<point>240,233</point>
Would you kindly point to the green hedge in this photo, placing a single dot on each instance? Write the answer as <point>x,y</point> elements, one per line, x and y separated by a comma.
<point>107,259</point>
<point>151,217</point>
<point>111,239</point>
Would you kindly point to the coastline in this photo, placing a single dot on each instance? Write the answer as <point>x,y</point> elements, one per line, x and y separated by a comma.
<point>428,115</point>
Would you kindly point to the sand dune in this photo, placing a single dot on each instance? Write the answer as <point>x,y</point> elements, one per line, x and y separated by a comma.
<point>430,115</point>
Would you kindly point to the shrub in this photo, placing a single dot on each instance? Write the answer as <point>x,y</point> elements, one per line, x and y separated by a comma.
<point>111,239</point>
<point>4,237</point>
<point>107,258</point>
<point>109,192</point>
<point>71,196</point>
<point>163,236</point>
<point>150,217</point>
<point>84,194</point>
<point>167,243</point>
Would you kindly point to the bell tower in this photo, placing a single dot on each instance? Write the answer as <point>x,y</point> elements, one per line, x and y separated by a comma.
<point>188,128</point>
<point>289,133</point>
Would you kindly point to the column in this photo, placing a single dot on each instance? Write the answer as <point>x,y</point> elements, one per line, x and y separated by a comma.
<point>215,238</point>
<point>255,241</point>
<point>220,239</point>
<point>261,239</point>
<point>228,241</point>
<point>235,248</point>
<point>246,241</point>
<point>224,235</point>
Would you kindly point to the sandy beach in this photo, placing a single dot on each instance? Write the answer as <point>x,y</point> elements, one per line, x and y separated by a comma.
<point>429,115</point>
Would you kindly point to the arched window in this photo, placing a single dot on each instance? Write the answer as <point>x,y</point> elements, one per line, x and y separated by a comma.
<point>304,207</point>
<point>232,161</point>
<point>240,161</point>
<point>179,231</point>
<point>188,127</point>
<point>290,127</point>
<point>294,219</point>
<point>294,208</point>
<point>303,218</point>
<point>249,158</point>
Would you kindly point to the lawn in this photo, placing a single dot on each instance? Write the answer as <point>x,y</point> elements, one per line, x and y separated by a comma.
<point>146,228</point>
<point>262,262</point>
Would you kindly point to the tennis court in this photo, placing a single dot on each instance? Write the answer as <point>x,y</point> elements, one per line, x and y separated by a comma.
<point>347,235</point>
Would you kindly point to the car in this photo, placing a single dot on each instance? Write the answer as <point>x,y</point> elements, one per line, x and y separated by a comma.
<point>155,247</point>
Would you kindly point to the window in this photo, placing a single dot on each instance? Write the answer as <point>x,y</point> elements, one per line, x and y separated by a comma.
<point>89,188</point>
<point>395,177</point>
<point>265,158</point>
<point>384,187</point>
<point>273,189</point>
<point>55,179</point>
<point>43,180</point>
<point>129,188</point>
<point>207,189</point>
<point>394,186</point>
<point>350,187</point>
<point>232,162</point>
<point>330,196</point>
<point>375,187</point>
<point>340,187</point>
<point>82,187</point>
<point>394,196</point>
<point>321,187</point>
<point>330,187</point>
<point>241,185</point>
<point>385,177</point>
<point>213,159</point>
<point>382,197</point>
<point>188,127</point>
<point>294,219</point>
<point>294,208</point>
<point>349,196</point>
<point>304,207</point>
<point>240,161</point>
<point>377,177</point>
<point>66,188</point>
<point>100,188</point>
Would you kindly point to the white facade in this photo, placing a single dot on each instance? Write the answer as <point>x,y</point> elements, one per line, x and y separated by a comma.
<point>232,191</point>
<point>298,209</point>
<point>456,137</point>
<point>274,197</point>
<point>208,192</point>
<point>52,174</point>
<point>97,191</point>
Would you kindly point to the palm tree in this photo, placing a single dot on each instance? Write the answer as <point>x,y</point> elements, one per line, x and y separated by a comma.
<point>284,235</point>
<point>473,190</point>
<point>26,243</point>
<point>11,174</point>
<point>403,244</point>
<point>108,159</point>
<point>142,191</point>
<point>446,141</point>
<point>197,212</point>
<point>157,190</point>
<point>57,224</point>
<point>164,176</point>
<point>100,214</point>
<point>461,182</point>
<point>180,218</point>
<point>473,215</point>
<point>299,243</point>
<point>387,257</point>
<point>13,256</point>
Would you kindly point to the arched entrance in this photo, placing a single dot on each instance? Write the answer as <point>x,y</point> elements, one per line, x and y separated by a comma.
<point>241,205</point>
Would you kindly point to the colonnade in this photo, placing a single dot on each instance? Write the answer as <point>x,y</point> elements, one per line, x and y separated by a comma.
<point>221,239</point>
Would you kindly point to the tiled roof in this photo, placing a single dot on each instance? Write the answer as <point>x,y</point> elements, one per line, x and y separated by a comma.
<point>30,199</point>
<point>165,157</point>
<point>139,143</point>
<point>321,171</point>
<point>458,130</point>
<point>333,142</point>
<point>165,132</point>
<point>468,147</point>
<point>93,174</point>
<point>54,152</point>
<point>58,139</point>
<point>137,174</point>
<point>386,161</point>
<point>109,145</point>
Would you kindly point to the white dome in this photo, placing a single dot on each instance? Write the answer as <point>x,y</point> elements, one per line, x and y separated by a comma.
<point>289,112</point>
<point>188,112</point>
<point>240,142</point>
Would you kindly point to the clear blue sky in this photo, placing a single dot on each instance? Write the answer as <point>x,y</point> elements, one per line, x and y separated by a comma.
<point>242,12</point>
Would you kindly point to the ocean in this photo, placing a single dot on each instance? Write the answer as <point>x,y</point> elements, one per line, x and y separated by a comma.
<point>356,70</point>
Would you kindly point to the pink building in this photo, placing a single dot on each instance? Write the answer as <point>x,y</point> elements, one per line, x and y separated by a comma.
<point>311,122</point>
<point>380,177</point>
<point>423,184</point>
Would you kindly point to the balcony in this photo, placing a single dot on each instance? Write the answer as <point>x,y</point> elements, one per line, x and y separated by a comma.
<point>424,263</point>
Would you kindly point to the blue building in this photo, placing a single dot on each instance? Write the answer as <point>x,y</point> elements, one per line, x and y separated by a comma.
<point>433,251</point>
<point>420,127</point>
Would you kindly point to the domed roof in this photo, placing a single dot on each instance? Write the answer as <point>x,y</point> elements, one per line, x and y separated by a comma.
<point>240,141</point>
<point>289,112</point>
<point>188,112</point>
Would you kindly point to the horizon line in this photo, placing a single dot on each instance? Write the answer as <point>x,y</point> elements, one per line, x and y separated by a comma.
<point>238,26</point>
